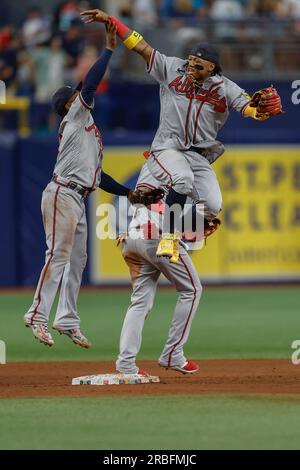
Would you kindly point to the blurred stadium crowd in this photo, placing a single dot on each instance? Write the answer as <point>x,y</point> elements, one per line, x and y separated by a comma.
<point>42,48</point>
<point>49,45</point>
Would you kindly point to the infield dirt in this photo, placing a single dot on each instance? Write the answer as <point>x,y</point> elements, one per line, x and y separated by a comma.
<point>47,379</point>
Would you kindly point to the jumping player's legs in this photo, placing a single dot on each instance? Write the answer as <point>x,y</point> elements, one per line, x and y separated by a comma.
<point>144,277</point>
<point>66,314</point>
<point>206,189</point>
<point>61,213</point>
<point>171,168</point>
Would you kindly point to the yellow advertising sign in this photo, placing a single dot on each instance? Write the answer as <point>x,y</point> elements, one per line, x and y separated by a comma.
<point>260,233</point>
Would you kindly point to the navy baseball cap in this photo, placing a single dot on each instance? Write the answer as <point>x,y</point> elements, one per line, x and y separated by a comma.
<point>207,52</point>
<point>61,96</point>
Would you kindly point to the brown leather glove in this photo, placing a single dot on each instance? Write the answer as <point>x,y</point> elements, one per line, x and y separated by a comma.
<point>267,103</point>
<point>146,198</point>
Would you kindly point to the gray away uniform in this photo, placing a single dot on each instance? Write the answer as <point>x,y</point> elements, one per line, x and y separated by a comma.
<point>145,268</point>
<point>79,160</point>
<point>190,117</point>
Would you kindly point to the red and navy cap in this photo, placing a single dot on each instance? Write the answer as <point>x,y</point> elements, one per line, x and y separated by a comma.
<point>207,52</point>
<point>61,97</point>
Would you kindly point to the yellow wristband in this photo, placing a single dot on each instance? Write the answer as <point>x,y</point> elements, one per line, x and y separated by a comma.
<point>133,40</point>
<point>250,111</point>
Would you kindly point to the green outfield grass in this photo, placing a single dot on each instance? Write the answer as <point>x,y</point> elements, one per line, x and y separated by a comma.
<point>216,422</point>
<point>231,322</point>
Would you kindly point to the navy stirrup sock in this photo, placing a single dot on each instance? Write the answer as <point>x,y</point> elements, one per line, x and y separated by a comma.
<point>174,198</point>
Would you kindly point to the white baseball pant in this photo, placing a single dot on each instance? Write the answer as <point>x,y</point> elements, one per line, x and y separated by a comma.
<point>145,268</point>
<point>66,236</point>
<point>188,173</point>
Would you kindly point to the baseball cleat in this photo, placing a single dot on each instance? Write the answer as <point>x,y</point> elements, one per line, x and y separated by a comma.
<point>175,256</point>
<point>210,226</point>
<point>143,372</point>
<point>189,367</point>
<point>165,248</point>
<point>40,331</point>
<point>75,335</point>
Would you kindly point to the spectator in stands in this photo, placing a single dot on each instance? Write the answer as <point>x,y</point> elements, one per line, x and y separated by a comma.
<point>74,41</point>
<point>285,56</point>
<point>262,8</point>
<point>184,8</point>
<point>5,37</point>
<point>142,12</point>
<point>36,29</point>
<point>227,13</point>
<point>66,12</point>
<point>126,9</point>
<point>49,64</point>
<point>8,62</point>
<point>25,79</point>
<point>288,9</point>
<point>86,60</point>
<point>145,13</point>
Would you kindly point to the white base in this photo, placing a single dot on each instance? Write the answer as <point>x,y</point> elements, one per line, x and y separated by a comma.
<point>2,352</point>
<point>115,379</point>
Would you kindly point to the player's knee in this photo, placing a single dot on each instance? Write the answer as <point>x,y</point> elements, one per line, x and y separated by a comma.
<point>183,183</point>
<point>83,260</point>
<point>61,257</point>
<point>197,289</point>
<point>192,290</point>
<point>212,207</point>
<point>150,304</point>
<point>141,304</point>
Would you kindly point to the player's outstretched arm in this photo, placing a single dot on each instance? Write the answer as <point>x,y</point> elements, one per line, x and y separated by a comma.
<point>97,71</point>
<point>131,39</point>
<point>145,197</point>
<point>111,186</point>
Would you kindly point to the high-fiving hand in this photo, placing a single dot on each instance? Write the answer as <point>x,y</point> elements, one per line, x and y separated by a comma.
<point>90,16</point>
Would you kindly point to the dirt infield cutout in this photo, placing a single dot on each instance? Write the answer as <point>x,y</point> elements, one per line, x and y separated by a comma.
<point>47,379</point>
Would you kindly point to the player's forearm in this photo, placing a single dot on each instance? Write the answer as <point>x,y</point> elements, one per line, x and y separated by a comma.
<point>111,186</point>
<point>133,40</point>
<point>94,77</point>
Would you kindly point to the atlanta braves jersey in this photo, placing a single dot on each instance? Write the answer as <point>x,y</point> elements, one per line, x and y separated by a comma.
<point>191,115</point>
<point>80,150</point>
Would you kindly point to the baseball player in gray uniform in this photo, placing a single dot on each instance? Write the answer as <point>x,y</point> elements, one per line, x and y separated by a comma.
<point>139,252</point>
<point>195,103</point>
<point>76,174</point>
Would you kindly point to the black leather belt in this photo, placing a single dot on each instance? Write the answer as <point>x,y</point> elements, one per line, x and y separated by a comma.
<point>199,150</point>
<point>82,190</point>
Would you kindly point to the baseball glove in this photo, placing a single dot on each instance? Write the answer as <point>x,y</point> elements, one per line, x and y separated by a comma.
<point>210,226</point>
<point>146,198</point>
<point>267,103</point>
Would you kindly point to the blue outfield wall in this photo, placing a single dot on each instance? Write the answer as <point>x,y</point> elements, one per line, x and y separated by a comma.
<point>9,259</point>
<point>26,166</point>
